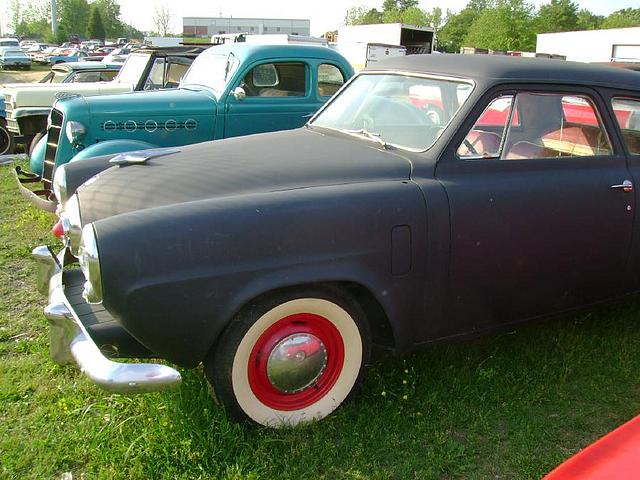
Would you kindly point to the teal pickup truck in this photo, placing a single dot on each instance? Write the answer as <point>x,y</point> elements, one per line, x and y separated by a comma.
<point>230,90</point>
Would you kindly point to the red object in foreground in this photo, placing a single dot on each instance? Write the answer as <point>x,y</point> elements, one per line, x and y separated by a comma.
<point>615,456</point>
<point>57,229</point>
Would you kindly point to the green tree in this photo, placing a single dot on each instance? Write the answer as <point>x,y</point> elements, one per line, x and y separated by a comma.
<point>557,16</point>
<point>588,20</point>
<point>507,26</point>
<point>452,34</point>
<point>110,16</point>
<point>627,17</point>
<point>411,16</point>
<point>95,28</point>
<point>73,17</point>
<point>362,16</point>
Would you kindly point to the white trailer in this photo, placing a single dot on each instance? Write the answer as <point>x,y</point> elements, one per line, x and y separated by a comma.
<point>415,39</point>
<point>361,55</point>
<point>285,39</point>
<point>163,41</point>
<point>611,45</point>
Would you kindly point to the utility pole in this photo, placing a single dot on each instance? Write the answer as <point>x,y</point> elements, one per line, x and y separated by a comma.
<point>54,18</point>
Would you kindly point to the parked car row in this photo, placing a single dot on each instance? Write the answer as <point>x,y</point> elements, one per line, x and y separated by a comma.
<point>425,198</point>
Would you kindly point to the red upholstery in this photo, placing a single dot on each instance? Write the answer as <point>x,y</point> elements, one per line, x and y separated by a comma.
<point>616,456</point>
<point>484,143</point>
<point>573,140</point>
<point>524,150</point>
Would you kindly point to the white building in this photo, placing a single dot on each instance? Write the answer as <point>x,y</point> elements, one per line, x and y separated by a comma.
<point>616,44</point>
<point>209,26</point>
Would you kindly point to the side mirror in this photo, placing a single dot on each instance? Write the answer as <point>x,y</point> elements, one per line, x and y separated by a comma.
<point>239,93</point>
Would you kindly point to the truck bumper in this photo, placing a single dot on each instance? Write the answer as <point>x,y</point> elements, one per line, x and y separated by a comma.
<point>71,342</point>
<point>43,199</point>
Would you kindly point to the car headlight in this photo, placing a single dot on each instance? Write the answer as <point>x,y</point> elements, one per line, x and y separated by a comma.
<point>90,264</point>
<point>72,224</point>
<point>75,132</point>
<point>60,184</point>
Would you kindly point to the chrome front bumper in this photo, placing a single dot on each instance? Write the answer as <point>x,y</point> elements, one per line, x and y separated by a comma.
<point>71,343</point>
<point>40,198</point>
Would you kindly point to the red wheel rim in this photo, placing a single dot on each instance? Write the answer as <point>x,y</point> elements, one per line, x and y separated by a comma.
<point>308,323</point>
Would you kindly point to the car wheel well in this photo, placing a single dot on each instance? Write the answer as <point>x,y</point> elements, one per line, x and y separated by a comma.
<point>374,314</point>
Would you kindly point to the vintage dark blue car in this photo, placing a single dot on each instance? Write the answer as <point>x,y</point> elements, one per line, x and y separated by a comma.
<point>434,196</point>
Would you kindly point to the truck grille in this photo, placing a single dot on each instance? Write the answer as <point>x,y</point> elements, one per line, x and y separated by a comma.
<point>12,124</point>
<point>53,137</point>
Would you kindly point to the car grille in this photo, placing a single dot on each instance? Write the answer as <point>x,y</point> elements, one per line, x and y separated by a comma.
<point>53,137</point>
<point>12,124</point>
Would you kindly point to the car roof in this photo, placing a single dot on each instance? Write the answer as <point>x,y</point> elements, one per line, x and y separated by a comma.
<point>182,50</point>
<point>502,68</point>
<point>252,51</point>
<point>75,66</point>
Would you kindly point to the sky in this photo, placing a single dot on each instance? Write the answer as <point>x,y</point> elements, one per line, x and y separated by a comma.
<point>325,15</point>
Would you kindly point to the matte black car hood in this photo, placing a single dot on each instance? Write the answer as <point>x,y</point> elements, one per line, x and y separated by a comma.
<point>255,164</point>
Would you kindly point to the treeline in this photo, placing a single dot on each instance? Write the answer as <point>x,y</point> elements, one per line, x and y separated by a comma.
<point>494,24</point>
<point>98,19</point>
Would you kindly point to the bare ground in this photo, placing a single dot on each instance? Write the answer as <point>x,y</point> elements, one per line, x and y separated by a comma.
<point>15,76</point>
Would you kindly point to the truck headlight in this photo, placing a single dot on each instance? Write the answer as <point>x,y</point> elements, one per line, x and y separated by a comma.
<point>60,184</point>
<point>72,224</point>
<point>75,132</point>
<point>90,264</point>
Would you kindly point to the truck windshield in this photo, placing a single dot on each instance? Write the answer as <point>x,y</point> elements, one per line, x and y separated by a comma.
<point>211,71</point>
<point>133,68</point>
<point>395,110</point>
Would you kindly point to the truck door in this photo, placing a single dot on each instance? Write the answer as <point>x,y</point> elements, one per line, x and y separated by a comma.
<point>271,96</point>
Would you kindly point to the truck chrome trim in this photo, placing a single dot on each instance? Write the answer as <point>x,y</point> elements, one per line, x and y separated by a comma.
<point>70,342</point>
<point>39,198</point>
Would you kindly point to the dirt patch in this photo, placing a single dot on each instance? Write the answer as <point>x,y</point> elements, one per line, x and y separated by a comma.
<point>15,76</point>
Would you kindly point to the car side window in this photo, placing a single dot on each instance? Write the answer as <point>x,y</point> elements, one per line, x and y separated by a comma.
<point>330,79</point>
<point>533,125</point>
<point>155,79</point>
<point>82,77</point>
<point>627,113</point>
<point>175,72</point>
<point>286,79</point>
<point>485,138</point>
<point>108,76</point>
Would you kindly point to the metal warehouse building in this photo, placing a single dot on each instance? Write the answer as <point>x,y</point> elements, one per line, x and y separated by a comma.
<point>615,44</point>
<point>208,26</point>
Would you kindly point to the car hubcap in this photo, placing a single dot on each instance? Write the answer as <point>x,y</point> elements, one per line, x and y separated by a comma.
<point>296,361</point>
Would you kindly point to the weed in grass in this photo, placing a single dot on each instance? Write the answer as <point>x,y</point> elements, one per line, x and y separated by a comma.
<point>509,405</point>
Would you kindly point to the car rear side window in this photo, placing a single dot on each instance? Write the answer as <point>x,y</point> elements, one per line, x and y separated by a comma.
<point>286,79</point>
<point>330,79</point>
<point>533,125</point>
<point>627,112</point>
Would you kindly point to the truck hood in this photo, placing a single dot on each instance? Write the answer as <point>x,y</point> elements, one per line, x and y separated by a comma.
<point>44,94</point>
<point>157,103</point>
<point>268,162</point>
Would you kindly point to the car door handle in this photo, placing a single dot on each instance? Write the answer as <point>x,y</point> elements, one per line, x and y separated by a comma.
<point>626,186</point>
<point>308,115</point>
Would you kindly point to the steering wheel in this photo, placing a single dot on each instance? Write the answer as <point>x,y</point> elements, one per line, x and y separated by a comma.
<point>250,90</point>
<point>470,147</point>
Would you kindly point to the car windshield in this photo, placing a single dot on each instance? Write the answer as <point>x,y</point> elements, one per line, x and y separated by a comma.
<point>9,43</point>
<point>397,110</point>
<point>14,53</point>
<point>133,68</point>
<point>212,71</point>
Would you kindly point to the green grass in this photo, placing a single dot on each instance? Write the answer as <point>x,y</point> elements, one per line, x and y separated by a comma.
<point>508,406</point>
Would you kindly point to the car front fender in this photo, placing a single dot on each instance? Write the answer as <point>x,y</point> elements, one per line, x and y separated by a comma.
<point>111,147</point>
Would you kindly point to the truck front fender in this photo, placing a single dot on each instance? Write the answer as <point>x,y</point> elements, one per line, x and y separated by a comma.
<point>112,147</point>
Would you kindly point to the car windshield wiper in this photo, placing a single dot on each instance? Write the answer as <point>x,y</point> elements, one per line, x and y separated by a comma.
<point>370,135</point>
